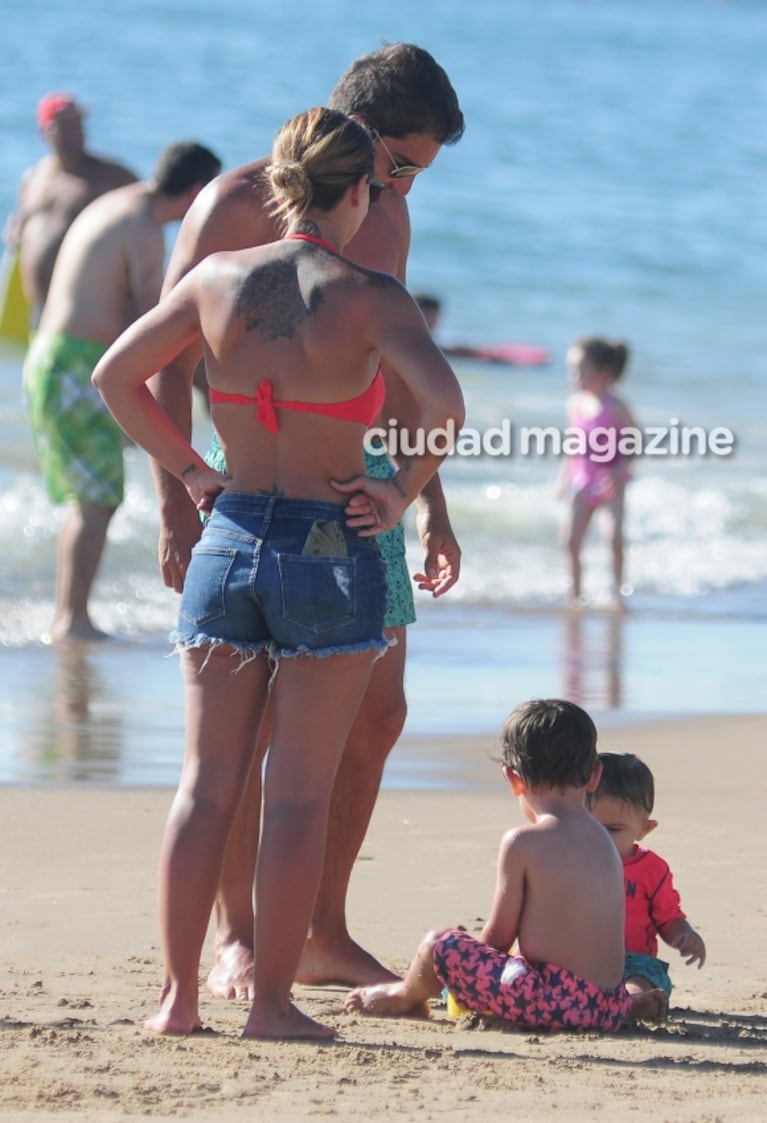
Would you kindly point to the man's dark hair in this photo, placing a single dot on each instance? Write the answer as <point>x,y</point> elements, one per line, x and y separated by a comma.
<point>550,743</point>
<point>400,89</point>
<point>184,165</point>
<point>627,778</point>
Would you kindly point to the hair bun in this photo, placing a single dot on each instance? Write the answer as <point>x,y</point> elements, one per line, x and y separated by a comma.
<point>291,179</point>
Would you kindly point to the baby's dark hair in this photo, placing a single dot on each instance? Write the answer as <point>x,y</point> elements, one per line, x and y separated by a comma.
<point>550,743</point>
<point>627,778</point>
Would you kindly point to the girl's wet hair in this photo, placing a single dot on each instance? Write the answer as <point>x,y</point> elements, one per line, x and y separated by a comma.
<point>550,743</point>
<point>603,354</point>
<point>316,157</point>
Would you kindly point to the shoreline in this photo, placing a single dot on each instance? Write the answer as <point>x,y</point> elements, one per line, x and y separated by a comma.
<point>80,964</point>
<point>112,713</point>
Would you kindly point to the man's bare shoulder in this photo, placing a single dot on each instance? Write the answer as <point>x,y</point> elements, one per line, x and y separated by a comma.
<point>230,213</point>
<point>232,208</point>
<point>120,209</point>
<point>36,176</point>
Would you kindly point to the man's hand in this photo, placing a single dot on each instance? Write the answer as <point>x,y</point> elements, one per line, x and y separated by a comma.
<point>178,535</point>
<point>442,563</point>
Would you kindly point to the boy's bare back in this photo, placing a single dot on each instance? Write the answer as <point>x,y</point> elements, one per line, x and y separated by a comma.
<point>560,891</point>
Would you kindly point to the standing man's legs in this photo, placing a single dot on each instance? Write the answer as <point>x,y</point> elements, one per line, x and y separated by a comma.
<point>80,548</point>
<point>80,448</point>
<point>331,955</point>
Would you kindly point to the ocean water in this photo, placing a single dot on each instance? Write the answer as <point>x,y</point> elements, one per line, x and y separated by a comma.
<point>611,181</point>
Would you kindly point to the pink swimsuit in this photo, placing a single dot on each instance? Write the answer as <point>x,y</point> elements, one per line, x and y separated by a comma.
<point>587,476</point>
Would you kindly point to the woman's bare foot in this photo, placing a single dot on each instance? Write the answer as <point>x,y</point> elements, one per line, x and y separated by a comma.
<point>343,962</point>
<point>386,999</point>
<point>232,975</point>
<point>286,1025</point>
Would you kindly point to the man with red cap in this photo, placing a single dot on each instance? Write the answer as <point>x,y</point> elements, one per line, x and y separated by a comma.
<point>55,190</point>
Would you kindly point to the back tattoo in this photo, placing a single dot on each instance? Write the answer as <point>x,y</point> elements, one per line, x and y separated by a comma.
<point>271,303</point>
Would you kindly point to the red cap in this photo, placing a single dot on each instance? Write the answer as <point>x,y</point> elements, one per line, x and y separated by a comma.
<point>49,107</point>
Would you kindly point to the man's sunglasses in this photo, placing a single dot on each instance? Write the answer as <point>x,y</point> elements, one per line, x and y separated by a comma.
<point>397,171</point>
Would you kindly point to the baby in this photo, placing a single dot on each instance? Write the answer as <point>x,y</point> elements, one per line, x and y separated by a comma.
<point>623,802</point>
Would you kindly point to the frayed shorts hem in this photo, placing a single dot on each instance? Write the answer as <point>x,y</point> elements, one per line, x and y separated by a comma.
<point>248,652</point>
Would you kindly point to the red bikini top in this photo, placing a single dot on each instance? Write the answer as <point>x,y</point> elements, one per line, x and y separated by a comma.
<point>363,409</point>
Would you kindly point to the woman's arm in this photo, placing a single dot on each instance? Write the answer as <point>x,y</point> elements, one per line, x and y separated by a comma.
<point>400,336</point>
<point>123,371</point>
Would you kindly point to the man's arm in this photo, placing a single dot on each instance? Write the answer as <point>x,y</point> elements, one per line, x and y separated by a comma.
<point>171,387</point>
<point>442,554</point>
<point>387,226</point>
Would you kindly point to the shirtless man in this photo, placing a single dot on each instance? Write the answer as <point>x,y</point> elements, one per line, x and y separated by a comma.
<point>108,272</point>
<point>406,100</point>
<point>54,191</point>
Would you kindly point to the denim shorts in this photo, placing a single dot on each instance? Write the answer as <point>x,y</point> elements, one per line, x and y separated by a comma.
<point>284,576</point>
<point>400,606</point>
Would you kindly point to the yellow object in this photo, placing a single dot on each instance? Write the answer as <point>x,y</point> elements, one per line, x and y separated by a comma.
<point>14,309</point>
<point>455,1010</point>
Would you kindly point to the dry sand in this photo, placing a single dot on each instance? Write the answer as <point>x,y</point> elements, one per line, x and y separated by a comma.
<point>81,966</point>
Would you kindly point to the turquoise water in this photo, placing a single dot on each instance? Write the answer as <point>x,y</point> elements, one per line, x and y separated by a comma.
<point>611,180</point>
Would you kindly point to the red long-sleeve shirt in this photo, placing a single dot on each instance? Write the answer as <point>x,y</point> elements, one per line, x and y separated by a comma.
<point>652,902</point>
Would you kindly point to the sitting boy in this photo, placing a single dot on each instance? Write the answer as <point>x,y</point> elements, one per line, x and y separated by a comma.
<point>558,893</point>
<point>623,803</point>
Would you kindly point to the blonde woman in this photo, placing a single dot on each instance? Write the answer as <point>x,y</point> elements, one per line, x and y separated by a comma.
<point>286,581</point>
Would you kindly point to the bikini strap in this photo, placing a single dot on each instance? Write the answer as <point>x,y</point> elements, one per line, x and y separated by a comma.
<point>311,238</point>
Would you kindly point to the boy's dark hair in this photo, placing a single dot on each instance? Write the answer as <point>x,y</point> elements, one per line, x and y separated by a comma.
<point>400,89</point>
<point>550,743</point>
<point>627,778</point>
<point>184,165</point>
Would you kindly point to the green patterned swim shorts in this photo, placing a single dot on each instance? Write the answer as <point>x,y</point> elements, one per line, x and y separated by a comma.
<point>78,442</point>
<point>400,607</point>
